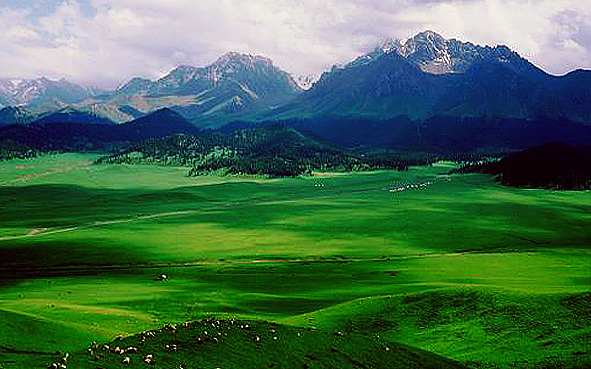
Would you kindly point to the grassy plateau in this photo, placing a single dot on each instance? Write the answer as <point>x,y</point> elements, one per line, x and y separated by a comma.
<point>379,269</point>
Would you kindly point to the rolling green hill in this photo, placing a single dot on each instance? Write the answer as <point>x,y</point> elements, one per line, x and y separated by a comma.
<point>455,264</point>
<point>233,343</point>
<point>273,150</point>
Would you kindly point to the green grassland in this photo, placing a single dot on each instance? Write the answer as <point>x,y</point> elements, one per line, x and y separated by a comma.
<point>462,267</point>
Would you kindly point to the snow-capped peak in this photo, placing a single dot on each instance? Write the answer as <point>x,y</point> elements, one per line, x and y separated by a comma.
<point>434,54</point>
<point>24,91</point>
<point>306,81</point>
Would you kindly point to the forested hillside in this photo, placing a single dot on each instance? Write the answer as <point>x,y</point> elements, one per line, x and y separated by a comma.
<point>554,166</point>
<point>273,150</point>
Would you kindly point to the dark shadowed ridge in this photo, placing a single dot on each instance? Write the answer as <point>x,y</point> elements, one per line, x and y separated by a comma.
<point>72,116</point>
<point>15,115</point>
<point>555,166</point>
<point>160,123</point>
<point>85,132</point>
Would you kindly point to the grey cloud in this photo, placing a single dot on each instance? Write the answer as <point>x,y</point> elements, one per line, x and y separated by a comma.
<point>121,39</point>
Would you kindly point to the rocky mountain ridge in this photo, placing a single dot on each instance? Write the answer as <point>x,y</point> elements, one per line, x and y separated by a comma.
<point>434,54</point>
<point>18,92</point>
<point>429,76</point>
<point>254,74</point>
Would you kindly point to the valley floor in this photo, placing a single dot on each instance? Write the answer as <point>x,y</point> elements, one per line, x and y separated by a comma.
<point>457,265</point>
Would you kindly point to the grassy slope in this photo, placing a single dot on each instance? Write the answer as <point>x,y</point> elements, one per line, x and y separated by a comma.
<point>258,344</point>
<point>473,325</point>
<point>372,243</point>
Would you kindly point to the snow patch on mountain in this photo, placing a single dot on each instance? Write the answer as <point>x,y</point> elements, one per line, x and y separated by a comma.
<point>306,81</point>
<point>25,91</point>
<point>434,54</point>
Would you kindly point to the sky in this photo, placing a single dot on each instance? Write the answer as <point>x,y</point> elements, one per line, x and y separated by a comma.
<point>104,43</point>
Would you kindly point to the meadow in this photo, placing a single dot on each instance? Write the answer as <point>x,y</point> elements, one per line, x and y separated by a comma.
<point>457,265</point>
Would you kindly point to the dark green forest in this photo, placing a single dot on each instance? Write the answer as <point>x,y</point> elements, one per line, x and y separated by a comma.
<point>276,151</point>
<point>553,166</point>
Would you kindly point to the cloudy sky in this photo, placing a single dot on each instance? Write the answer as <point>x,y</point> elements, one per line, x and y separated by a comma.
<point>106,42</point>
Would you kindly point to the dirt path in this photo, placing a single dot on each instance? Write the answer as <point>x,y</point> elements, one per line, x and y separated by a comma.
<point>56,170</point>
<point>37,232</point>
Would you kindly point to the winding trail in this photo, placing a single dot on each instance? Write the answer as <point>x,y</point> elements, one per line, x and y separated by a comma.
<point>37,232</point>
<point>56,170</point>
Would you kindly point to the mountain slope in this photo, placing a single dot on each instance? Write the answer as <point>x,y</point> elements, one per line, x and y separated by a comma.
<point>15,115</point>
<point>252,344</point>
<point>41,91</point>
<point>429,76</point>
<point>273,150</point>
<point>78,131</point>
<point>234,85</point>
<point>160,123</point>
<point>69,115</point>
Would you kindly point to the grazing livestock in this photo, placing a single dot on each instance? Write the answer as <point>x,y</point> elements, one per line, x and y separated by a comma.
<point>161,278</point>
<point>117,350</point>
<point>149,359</point>
<point>131,350</point>
<point>126,360</point>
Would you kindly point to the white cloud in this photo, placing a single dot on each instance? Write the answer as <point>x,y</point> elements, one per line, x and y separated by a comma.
<point>125,38</point>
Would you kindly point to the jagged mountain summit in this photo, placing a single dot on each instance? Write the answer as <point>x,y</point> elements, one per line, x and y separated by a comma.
<point>430,93</point>
<point>434,54</point>
<point>15,92</point>
<point>233,85</point>
<point>306,81</point>
<point>429,76</point>
<point>252,74</point>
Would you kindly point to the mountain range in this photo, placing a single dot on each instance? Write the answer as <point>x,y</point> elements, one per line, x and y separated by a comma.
<point>429,76</point>
<point>42,92</point>
<point>233,85</point>
<point>425,93</point>
<point>81,132</point>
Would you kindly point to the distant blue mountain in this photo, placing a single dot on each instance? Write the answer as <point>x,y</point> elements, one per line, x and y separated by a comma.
<point>69,115</point>
<point>15,115</point>
<point>81,132</point>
